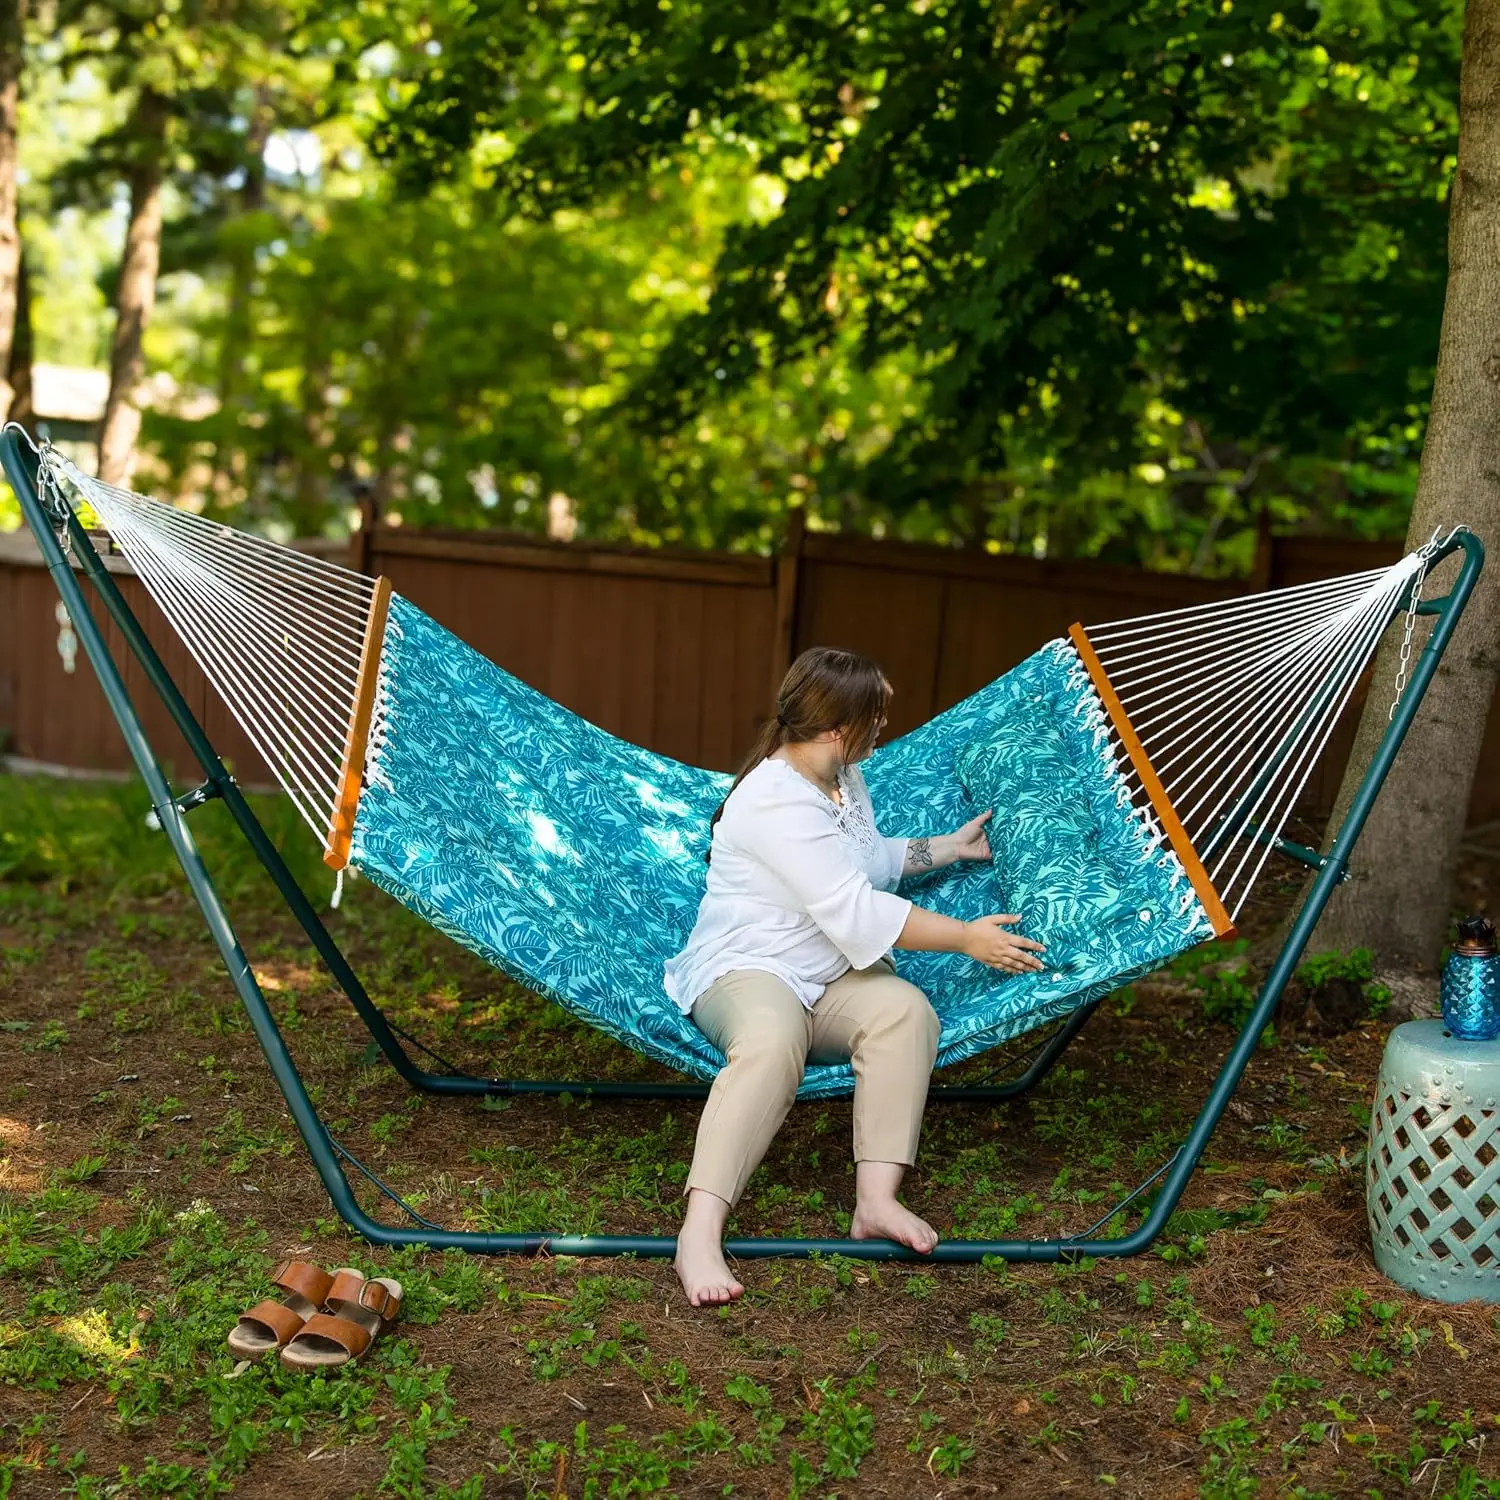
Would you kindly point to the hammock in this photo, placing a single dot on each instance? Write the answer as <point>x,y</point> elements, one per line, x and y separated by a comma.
<point>574,861</point>
<point>1141,774</point>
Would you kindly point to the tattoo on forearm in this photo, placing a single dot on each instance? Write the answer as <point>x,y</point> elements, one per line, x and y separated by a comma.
<point>919,854</point>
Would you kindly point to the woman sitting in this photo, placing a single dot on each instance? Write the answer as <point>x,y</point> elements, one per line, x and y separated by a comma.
<point>787,960</point>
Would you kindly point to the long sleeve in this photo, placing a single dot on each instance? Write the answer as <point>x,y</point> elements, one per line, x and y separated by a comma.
<point>895,854</point>
<point>801,846</point>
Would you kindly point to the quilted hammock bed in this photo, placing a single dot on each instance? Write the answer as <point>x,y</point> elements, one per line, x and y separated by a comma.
<point>574,861</point>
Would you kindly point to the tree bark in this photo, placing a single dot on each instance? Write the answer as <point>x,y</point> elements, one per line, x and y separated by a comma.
<point>311,494</point>
<point>22,352</point>
<point>135,299</point>
<point>975,499</point>
<point>12,21</point>
<point>229,464</point>
<point>1401,877</point>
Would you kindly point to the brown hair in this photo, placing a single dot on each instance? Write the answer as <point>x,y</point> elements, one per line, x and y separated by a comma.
<point>825,688</point>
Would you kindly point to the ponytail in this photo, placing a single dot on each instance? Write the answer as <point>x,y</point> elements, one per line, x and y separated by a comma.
<point>772,736</point>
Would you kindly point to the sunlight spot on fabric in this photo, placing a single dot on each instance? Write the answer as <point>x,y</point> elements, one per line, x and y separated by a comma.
<point>655,800</point>
<point>547,836</point>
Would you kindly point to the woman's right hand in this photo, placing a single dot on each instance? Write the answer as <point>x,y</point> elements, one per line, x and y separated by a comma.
<point>986,939</point>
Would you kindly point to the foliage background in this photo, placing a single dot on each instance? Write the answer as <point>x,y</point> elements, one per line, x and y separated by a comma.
<point>1109,280</point>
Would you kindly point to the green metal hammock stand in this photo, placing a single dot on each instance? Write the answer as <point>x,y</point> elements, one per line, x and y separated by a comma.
<point>58,533</point>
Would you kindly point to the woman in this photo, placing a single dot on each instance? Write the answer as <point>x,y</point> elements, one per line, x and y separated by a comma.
<point>787,960</point>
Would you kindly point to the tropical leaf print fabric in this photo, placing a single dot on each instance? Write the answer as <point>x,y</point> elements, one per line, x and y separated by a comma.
<point>574,861</point>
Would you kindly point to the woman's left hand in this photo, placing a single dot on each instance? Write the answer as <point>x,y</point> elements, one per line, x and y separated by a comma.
<point>971,841</point>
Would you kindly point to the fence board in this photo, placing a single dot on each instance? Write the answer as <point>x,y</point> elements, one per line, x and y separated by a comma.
<point>894,615</point>
<point>674,651</point>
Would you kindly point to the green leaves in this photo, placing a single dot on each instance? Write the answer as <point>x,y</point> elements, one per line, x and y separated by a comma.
<point>1104,279</point>
<point>1064,212</point>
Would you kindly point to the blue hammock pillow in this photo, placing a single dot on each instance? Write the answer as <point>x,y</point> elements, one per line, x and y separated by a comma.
<point>1070,856</point>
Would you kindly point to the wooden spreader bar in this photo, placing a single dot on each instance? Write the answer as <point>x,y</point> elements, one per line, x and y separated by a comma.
<point>341,829</point>
<point>1171,824</point>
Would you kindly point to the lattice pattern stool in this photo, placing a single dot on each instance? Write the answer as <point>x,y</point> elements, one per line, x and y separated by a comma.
<point>1432,1174</point>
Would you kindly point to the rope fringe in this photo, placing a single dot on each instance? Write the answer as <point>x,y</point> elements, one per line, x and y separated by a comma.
<point>1139,815</point>
<point>276,631</point>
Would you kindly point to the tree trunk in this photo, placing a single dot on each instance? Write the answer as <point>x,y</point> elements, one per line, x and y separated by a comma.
<point>12,19</point>
<point>22,352</point>
<point>1401,878</point>
<point>135,298</point>
<point>229,465</point>
<point>975,499</point>
<point>310,505</point>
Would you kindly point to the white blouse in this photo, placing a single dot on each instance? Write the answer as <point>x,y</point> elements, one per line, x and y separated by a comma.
<point>798,886</point>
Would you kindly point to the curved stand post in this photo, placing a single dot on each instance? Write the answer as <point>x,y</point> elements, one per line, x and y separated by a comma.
<point>171,813</point>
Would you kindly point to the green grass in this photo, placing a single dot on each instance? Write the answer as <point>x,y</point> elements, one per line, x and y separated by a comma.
<point>149,1179</point>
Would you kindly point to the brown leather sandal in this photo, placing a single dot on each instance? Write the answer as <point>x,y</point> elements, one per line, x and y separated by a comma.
<point>271,1325</point>
<point>359,1311</point>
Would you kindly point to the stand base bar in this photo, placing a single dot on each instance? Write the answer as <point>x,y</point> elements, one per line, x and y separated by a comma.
<point>946,1093</point>
<point>661,1247</point>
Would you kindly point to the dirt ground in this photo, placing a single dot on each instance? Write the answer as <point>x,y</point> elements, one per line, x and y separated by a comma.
<point>150,1178</point>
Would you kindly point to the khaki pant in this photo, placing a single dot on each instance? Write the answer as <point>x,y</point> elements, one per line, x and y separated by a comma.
<point>868,1017</point>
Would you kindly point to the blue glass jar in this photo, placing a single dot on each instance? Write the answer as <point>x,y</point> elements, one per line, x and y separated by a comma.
<point>1470,986</point>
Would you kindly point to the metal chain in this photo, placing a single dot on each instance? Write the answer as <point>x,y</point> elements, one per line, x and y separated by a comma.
<point>53,498</point>
<point>1424,557</point>
<point>1411,624</point>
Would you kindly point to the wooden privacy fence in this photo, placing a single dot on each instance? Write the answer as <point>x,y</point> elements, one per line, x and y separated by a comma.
<point>675,651</point>
<point>52,708</point>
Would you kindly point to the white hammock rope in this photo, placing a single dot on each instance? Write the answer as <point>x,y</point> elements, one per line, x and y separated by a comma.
<point>277,632</point>
<point>1234,702</point>
<point>1230,703</point>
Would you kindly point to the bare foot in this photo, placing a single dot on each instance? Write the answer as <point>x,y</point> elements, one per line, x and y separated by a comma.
<point>886,1219</point>
<point>704,1273</point>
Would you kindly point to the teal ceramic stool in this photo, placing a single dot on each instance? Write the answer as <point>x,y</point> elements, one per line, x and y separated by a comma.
<point>1432,1174</point>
